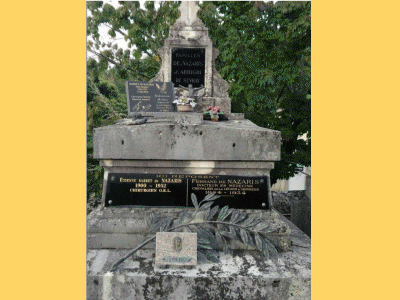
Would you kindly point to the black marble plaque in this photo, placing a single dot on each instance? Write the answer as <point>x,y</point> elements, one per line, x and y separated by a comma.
<point>127,189</point>
<point>188,66</point>
<point>153,96</point>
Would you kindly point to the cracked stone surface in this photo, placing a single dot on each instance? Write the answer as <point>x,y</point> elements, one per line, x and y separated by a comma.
<point>243,275</point>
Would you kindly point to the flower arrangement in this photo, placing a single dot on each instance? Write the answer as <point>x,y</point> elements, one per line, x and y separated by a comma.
<point>214,112</point>
<point>184,103</point>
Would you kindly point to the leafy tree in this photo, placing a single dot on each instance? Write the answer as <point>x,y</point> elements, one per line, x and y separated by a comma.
<point>144,30</point>
<point>265,55</point>
<point>106,103</point>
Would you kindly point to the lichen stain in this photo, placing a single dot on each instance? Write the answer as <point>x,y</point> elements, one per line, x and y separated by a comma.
<point>173,142</point>
<point>152,287</point>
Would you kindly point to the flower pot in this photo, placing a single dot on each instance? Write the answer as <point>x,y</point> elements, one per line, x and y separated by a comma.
<point>214,118</point>
<point>184,107</point>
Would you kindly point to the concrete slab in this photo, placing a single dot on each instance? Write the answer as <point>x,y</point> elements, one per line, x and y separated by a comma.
<point>234,140</point>
<point>243,275</point>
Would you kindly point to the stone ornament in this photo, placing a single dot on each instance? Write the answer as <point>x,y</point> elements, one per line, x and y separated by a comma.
<point>176,248</point>
<point>177,244</point>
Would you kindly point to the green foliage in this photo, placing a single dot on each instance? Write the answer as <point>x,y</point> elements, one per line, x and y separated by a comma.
<point>106,103</point>
<point>265,55</point>
<point>144,31</point>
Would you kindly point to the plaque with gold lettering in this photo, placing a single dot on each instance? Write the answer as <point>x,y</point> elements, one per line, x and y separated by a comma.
<point>128,189</point>
<point>153,96</point>
<point>188,66</point>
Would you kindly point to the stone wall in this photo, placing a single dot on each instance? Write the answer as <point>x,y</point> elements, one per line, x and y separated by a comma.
<point>296,206</point>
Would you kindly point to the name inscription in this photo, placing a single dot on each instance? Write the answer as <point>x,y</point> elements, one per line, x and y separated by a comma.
<point>188,66</point>
<point>175,190</point>
<point>145,96</point>
<point>177,259</point>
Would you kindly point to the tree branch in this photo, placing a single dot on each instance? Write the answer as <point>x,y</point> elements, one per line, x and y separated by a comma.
<point>135,73</point>
<point>281,93</point>
<point>115,266</point>
<point>117,30</point>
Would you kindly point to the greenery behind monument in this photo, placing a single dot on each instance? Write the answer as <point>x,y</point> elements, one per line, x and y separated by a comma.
<point>265,55</point>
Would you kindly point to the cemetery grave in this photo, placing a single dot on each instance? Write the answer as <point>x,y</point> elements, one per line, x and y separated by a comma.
<point>159,164</point>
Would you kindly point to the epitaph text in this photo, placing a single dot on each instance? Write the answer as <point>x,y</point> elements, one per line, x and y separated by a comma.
<point>188,66</point>
<point>145,96</point>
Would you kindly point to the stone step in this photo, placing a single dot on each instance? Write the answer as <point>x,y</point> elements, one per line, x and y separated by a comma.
<point>243,275</point>
<point>131,241</point>
<point>125,228</point>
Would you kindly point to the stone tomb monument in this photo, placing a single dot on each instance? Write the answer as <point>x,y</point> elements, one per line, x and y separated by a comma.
<point>188,57</point>
<point>155,166</point>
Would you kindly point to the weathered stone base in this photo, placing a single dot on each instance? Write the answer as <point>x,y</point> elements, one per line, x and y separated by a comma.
<point>125,228</point>
<point>223,102</point>
<point>233,140</point>
<point>245,275</point>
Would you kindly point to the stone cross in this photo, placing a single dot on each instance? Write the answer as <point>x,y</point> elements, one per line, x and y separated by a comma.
<point>188,10</point>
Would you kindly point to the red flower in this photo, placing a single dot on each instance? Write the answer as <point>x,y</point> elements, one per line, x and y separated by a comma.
<point>213,110</point>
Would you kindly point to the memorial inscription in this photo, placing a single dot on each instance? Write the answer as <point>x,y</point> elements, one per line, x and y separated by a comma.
<point>176,248</point>
<point>188,66</point>
<point>145,96</point>
<point>125,189</point>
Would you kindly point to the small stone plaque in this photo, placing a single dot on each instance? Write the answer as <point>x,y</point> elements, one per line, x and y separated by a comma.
<point>145,96</point>
<point>176,248</point>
